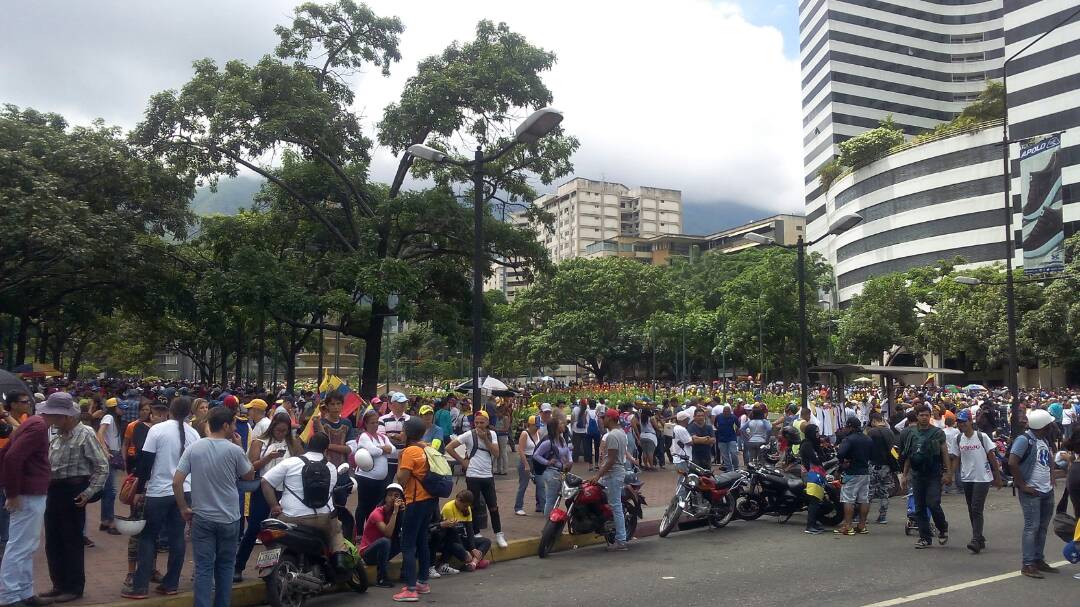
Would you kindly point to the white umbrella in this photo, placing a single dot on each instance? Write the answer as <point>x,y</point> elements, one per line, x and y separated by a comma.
<point>863,380</point>
<point>490,383</point>
<point>547,378</point>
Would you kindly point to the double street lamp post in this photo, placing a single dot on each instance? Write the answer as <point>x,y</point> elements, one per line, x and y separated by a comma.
<point>536,126</point>
<point>841,225</point>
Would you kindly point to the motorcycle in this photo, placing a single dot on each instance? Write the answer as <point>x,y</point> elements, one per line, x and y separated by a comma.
<point>587,511</point>
<point>702,494</point>
<point>298,562</point>
<point>771,491</point>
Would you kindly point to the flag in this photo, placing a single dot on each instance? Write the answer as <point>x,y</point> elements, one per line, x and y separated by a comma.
<point>815,482</point>
<point>332,384</point>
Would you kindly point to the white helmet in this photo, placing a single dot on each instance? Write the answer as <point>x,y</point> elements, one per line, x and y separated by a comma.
<point>1039,419</point>
<point>364,461</point>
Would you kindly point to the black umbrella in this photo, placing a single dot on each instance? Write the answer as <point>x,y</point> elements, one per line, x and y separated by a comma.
<point>9,382</point>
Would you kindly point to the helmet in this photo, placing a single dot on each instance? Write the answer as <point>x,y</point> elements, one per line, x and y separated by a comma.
<point>591,493</point>
<point>791,435</point>
<point>364,461</point>
<point>129,526</point>
<point>1039,419</point>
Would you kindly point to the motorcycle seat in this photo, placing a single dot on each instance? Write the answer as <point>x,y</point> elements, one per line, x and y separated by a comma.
<point>795,483</point>
<point>725,479</point>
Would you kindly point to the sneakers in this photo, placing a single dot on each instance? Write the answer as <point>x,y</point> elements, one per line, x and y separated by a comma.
<point>483,564</point>
<point>446,569</point>
<point>844,531</point>
<point>812,531</point>
<point>882,520</point>
<point>434,574</point>
<point>922,544</point>
<point>423,588</point>
<point>975,546</point>
<point>383,583</point>
<point>1031,571</point>
<point>943,537</point>
<point>406,596</point>
<point>135,595</point>
<point>500,540</point>
<point>617,547</point>
<point>519,512</point>
<point>862,531</point>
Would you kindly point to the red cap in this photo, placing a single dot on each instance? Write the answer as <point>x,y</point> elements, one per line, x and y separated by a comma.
<point>611,414</point>
<point>231,402</point>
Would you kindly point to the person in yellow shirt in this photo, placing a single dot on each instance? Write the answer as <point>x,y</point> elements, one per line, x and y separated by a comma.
<point>454,539</point>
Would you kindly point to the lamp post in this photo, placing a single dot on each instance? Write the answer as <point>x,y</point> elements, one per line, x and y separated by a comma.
<point>841,225</point>
<point>536,126</point>
<point>1010,294</point>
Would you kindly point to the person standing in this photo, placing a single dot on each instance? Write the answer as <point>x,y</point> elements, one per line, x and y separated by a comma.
<point>338,429</point>
<point>25,474</point>
<point>1031,460</point>
<point>392,425</point>
<point>613,474</point>
<point>926,468</point>
<point>370,484</point>
<point>214,464</point>
<point>756,433</point>
<point>419,510</point>
<point>527,442</point>
<point>727,438</point>
<point>973,454</point>
<point>482,449</point>
<point>855,451</point>
<point>882,464</point>
<point>702,439</point>
<point>109,435</point>
<point>16,409</point>
<point>79,472</point>
<point>165,444</point>
<point>579,427</point>
<point>550,459</point>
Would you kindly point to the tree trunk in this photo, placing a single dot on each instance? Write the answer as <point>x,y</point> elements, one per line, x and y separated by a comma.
<point>262,352</point>
<point>224,366</point>
<point>373,339</point>
<point>76,360</point>
<point>238,363</point>
<point>42,345</point>
<point>20,341</point>
<point>290,362</point>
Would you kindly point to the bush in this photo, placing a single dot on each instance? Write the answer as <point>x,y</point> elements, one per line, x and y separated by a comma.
<point>828,172</point>
<point>863,149</point>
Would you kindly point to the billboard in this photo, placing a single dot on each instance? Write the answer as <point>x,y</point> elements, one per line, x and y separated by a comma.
<point>1043,229</point>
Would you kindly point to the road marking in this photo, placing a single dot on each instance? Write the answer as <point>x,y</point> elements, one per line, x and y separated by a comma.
<point>947,589</point>
<point>668,577</point>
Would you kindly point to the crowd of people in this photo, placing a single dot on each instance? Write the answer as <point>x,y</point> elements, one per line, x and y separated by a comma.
<point>209,464</point>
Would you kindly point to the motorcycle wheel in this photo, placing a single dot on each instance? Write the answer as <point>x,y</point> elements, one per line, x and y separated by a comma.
<point>718,522</point>
<point>278,591</point>
<point>831,513</point>
<point>671,517</point>
<point>548,536</point>
<point>630,521</point>
<point>358,581</point>
<point>748,508</point>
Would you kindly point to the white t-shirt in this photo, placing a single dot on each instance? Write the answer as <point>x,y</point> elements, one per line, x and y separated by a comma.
<point>163,440</point>
<point>589,414</point>
<point>1040,474</point>
<point>716,411</point>
<point>951,432</point>
<point>974,467</point>
<point>112,439</point>
<point>373,445</point>
<point>680,444</point>
<point>480,462</point>
<point>260,427</point>
<point>286,477</point>
<point>1068,415</point>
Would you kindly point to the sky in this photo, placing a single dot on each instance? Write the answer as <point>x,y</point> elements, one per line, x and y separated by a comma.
<point>696,95</point>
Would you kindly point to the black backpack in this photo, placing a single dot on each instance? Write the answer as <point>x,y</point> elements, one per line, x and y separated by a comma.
<point>315,478</point>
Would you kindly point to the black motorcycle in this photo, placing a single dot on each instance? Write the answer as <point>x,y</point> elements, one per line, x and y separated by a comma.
<point>298,561</point>
<point>771,491</point>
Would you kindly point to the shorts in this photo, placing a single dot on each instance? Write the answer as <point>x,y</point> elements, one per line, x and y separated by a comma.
<point>856,489</point>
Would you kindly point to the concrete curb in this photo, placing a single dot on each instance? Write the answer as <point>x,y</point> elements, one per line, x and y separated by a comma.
<point>253,592</point>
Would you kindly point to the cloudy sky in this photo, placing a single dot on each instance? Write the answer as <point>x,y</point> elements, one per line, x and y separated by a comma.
<point>696,95</point>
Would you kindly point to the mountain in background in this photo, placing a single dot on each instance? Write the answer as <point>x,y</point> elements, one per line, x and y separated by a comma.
<point>231,196</point>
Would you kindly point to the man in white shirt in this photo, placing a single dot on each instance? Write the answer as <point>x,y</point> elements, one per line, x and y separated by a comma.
<point>287,477</point>
<point>972,453</point>
<point>681,441</point>
<point>393,426</point>
<point>1068,418</point>
<point>1030,462</point>
<point>951,432</point>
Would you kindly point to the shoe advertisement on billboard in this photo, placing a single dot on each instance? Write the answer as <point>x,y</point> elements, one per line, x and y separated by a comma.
<point>1043,230</point>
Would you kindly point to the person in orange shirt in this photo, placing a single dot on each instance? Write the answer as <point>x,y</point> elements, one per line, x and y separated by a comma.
<point>419,509</point>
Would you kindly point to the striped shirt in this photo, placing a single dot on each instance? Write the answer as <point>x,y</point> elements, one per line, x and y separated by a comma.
<point>78,453</point>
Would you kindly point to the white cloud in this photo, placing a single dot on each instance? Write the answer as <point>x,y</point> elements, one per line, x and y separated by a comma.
<point>683,94</point>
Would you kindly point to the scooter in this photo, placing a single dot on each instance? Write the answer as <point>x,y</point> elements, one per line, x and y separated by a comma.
<point>587,511</point>
<point>702,494</point>
<point>298,562</point>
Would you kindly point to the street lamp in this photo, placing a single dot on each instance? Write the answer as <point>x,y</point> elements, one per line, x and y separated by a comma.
<point>536,126</point>
<point>841,225</point>
<point>1010,292</point>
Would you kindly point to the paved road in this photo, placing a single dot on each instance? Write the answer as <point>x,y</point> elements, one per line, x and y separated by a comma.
<point>762,563</point>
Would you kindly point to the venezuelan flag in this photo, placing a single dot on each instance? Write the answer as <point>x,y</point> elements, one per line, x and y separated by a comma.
<point>815,482</point>
<point>332,384</point>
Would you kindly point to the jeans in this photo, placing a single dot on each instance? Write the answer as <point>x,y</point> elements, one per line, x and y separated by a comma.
<point>729,455</point>
<point>592,450</point>
<point>525,476</point>
<point>414,542</point>
<point>161,515</point>
<point>214,545</point>
<point>552,483</point>
<point>64,548</point>
<point>1038,510</point>
<point>378,554</point>
<point>975,495</point>
<point>17,568</point>
<point>5,517</point>
<point>258,511</point>
<point>108,498</point>
<point>613,486</point>
<point>927,491</point>
<point>503,460</point>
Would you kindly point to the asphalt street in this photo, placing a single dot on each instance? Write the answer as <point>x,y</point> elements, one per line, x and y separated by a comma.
<point>762,563</point>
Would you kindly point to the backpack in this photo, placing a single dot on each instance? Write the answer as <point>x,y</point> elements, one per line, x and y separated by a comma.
<point>439,480</point>
<point>593,430</point>
<point>315,478</point>
<point>923,455</point>
<point>537,468</point>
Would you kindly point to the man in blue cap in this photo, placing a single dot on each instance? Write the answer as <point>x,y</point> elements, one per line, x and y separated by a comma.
<point>974,453</point>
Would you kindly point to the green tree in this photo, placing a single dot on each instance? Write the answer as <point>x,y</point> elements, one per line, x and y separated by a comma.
<point>871,145</point>
<point>880,317</point>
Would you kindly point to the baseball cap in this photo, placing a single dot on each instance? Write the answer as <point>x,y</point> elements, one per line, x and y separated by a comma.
<point>963,416</point>
<point>395,487</point>
<point>398,397</point>
<point>112,402</point>
<point>426,409</point>
<point>545,407</point>
<point>611,414</point>
<point>257,403</point>
<point>230,401</point>
<point>1039,419</point>
<point>685,415</point>
<point>483,414</point>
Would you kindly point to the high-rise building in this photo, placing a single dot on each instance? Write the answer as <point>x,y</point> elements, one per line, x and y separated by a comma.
<point>921,62</point>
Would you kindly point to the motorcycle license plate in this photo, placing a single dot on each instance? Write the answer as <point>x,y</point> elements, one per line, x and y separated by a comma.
<point>268,558</point>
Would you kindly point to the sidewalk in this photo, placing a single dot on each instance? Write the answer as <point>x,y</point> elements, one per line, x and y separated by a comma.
<point>106,563</point>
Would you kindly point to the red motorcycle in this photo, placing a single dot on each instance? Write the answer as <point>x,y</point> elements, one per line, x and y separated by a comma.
<point>587,511</point>
<point>702,494</point>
